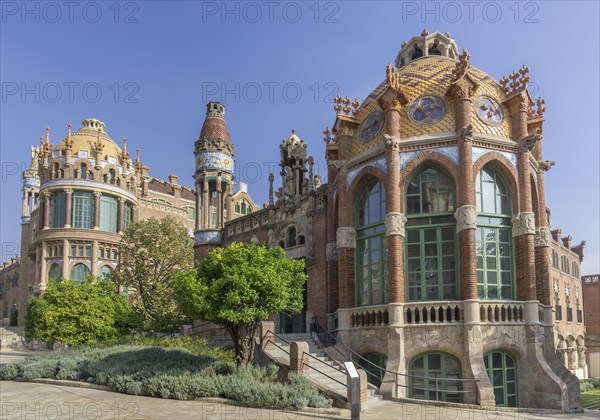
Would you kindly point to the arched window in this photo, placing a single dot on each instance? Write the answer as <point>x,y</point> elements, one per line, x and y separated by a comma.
<point>57,209</point>
<point>374,365</point>
<point>108,213</point>
<point>243,207</point>
<point>56,172</point>
<point>54,273</point>
<point>83,210</point>
<point>237,207</point>
<point>493,236</point>
<point>371,246</point>
<point>433,377</point>
<point>105,272</point>
<point>557,307</point>
<point>431,237</point>
<point>291,235</point>
<point>564,262</point>
<point>502,371</point>
<point>574,269</point>
<point>84,171</point>
<point>78,273</point>
<point>111,176</point>
<point>555,259</point>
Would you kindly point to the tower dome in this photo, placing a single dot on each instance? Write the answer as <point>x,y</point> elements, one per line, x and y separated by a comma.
<point>427,45</point>
<point>87,136</point>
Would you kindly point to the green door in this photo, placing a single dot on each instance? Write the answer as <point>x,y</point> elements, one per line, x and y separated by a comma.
<point>502,371</point>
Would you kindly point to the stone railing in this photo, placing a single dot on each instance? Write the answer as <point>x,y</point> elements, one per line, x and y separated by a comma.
<point>501,311</point>
<point>433,312</point>
<point>369,316</point>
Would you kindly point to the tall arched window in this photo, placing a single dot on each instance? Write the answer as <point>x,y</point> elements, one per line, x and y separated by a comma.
<point>431,237</point>
<point>128,214</point>
<point>108,213</point>
<point>564,262</point>
<point>84,171</point>
<point>493,236</point>
<point>57,209</point>
<point>502,371</point>
<point>83,210</point>
<point>433,377</point>
<point>371,246</point>
<point>554,259</point>
<point>78,273</point>
<point>291,235</point>
<point>54,272</point>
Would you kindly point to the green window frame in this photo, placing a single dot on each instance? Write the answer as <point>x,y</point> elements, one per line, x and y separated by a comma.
<point>371,363</point>
<point>128,214</point>
<point>54,272</point>
<point>78,273</point>
<point>58,209</point>
<point>431,251</point>
<point>493,237</point>
<point>191,213</point>
<point>501,368</point>
<point>431,377</point>
<point>372,278</point>
<point>108,213</point>
<point>554,259</point>
<point>83,210</point>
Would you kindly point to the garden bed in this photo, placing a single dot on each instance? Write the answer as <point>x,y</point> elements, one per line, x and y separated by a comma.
<point>170,372</point>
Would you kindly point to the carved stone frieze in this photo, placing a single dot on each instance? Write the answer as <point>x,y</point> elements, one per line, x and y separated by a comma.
<point>331,251</point>
<point>466,218</point>
<point>542,236</point>
<point>394,224</point>
<point>523,224</point>
<point>346,237</point>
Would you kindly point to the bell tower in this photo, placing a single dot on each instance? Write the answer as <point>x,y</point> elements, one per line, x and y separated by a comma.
<point>214,177</point>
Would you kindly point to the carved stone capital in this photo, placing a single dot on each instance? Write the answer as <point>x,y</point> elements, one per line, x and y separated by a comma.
<point>346,237</point>
<point>466,218</point>
<point>542,236</point>
<point>523,224</point>
<point>394,224</point>
<point>392,143</point>
<point>331,251</point>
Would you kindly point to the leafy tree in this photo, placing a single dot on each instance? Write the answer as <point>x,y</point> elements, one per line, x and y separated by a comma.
<point>89,312</point>
<point>152,252</point>
<point>238,286</point>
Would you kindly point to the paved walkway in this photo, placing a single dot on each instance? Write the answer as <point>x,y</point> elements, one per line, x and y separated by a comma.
<point>19,400</point>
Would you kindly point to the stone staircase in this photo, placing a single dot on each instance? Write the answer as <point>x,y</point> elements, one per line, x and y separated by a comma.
<point>327,374</point>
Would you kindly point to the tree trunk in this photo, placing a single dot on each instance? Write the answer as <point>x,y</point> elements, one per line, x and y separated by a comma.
<point>242,336</point>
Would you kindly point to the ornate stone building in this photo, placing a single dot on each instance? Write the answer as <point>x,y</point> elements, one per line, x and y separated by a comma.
<point>591,309</point>
<point>428,251</point>
<point>78,196</point>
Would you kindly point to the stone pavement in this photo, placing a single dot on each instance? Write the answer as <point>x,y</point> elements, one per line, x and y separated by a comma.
<point>19,400</point>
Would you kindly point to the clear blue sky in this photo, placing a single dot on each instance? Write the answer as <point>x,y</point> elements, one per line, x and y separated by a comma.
<point>146,69</point>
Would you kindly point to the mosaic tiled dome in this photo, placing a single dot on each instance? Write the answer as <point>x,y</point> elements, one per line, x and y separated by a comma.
<point>87,135</point>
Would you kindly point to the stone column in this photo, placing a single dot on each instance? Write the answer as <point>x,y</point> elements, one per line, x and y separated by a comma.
<point>219,203</point>
<point>394,219</point>
<point>95,258</point>
<point>299,358</point>
<point>65,256</point>
<point>205,204</point>
<point>198,205</point>
<point>68,206</point>
<point>120,214</point>
<point>542,242</point>
<point>43,267</point>
<point>46,223</point>
<point>97,195</point>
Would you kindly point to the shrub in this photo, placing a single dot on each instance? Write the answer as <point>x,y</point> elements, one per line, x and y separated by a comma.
<point>9,372</point>
<point>589,384</point>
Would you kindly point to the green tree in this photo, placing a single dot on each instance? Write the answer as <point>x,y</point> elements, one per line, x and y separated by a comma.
<point>238,286</point>
<point>152,252</point>
<point>84,313</point>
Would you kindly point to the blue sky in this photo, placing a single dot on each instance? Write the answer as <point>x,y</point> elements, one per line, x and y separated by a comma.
<point>146,69</point>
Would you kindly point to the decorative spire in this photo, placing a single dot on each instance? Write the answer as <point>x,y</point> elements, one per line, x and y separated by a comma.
<point>99,145</point>
<point>124,152</point>
<point>328,139</point>
<point>516,81</point>
<point>462,66</point>
<point>138,164</point>
<point>345,105</point>
<point>46,146</point>
<point>68,141</point>
<point>392,77</point>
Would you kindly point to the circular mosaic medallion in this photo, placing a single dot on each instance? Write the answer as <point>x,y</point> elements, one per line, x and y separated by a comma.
<point>427,110</point>
<point>488,110</point>
<point>371,126</point>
